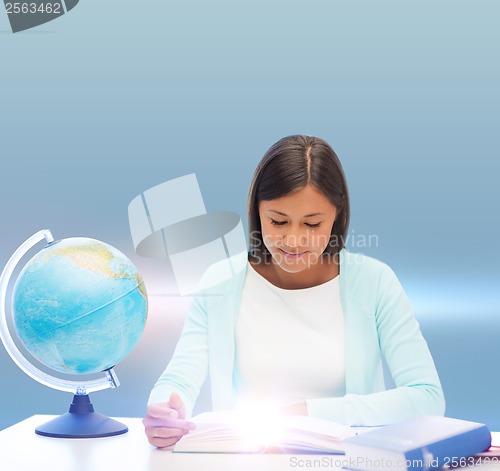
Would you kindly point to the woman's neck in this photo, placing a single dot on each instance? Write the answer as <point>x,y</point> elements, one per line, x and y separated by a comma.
<point>317,274</point>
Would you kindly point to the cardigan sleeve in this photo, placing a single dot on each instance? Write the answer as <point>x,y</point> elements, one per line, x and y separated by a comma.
<point>188,367</point>
<point>417,387</point>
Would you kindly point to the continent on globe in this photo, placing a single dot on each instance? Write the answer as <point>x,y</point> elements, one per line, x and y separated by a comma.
<point>79,306</point>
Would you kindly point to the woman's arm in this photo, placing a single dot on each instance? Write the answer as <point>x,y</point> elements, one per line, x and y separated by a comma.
<point>418,389</point>
<point>188,367</point>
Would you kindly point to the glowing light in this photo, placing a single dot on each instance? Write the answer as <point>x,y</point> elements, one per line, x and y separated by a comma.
<point>259,423</point>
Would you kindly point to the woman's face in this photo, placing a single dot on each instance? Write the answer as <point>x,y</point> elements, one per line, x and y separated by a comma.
<point>296,228</point>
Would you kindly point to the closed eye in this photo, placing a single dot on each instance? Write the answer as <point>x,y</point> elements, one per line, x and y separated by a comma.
<point>282,223</point>
<point>277,223</point>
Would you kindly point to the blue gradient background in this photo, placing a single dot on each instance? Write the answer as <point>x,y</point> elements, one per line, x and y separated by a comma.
<point>118,96</point>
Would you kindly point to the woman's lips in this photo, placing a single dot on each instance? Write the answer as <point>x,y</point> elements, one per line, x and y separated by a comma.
<point>292,254</point>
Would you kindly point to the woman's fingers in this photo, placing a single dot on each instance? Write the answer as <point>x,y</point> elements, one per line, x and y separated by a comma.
<point>163,437</point>
<point>163,442</point>
<point>165,432</point>
<point>168,423</point>
<point>164,423</point>
<point>162,411</point>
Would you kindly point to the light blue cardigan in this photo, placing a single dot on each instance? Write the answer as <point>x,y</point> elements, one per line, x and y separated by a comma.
<point>379,322</point>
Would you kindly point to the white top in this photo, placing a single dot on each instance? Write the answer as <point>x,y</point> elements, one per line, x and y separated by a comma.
<point>289,343</point>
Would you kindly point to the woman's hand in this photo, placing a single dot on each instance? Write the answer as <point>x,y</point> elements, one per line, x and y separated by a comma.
<point>165,422</point>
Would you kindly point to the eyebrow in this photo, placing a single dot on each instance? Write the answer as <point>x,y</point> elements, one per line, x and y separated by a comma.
<point>286,215</point>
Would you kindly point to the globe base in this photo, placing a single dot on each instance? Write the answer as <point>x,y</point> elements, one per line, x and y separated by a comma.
<point>81,422</point>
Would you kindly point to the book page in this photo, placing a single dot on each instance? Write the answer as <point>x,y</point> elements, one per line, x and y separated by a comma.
<point>234,431</point>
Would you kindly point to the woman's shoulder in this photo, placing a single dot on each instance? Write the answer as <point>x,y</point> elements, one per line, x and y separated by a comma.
<point>358,264</point>
<point>223,276</point>
<point>367,279</point>
<point>363,270</point>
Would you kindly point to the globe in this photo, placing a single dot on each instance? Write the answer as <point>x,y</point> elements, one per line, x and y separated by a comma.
<point>79,306</point>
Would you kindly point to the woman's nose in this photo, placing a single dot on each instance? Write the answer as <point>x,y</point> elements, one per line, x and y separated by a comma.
<point>295,239</point>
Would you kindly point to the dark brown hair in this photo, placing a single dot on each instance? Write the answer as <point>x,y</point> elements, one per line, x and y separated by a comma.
<point>288,166</point>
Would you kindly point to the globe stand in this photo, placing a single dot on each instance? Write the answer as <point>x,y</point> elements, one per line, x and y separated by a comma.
<point>81,422</point>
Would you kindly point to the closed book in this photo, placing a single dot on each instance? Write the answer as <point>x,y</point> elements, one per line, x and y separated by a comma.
<point>421,443</point>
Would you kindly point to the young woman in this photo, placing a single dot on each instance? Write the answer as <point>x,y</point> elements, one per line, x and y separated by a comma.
<point>306,324</point>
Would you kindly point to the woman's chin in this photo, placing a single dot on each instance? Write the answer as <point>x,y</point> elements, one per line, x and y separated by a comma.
<point>291,264</point>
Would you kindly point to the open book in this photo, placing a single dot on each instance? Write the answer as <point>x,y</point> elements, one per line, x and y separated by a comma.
<point>233,432</point>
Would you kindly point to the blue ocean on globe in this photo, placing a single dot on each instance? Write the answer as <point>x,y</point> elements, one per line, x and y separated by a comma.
<point>79,306</point>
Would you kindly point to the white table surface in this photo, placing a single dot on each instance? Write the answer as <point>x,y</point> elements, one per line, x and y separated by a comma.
<point>22,450</point>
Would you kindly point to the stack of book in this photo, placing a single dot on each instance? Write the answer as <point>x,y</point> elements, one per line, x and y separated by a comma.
<point>421,443</point>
